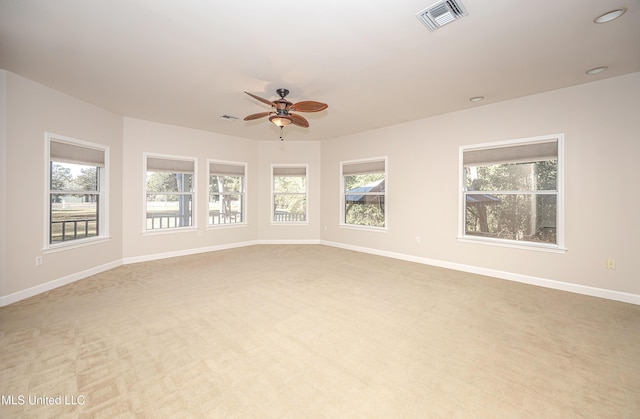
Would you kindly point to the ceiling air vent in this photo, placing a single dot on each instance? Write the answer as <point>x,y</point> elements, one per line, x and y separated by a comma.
<point>441,13</point>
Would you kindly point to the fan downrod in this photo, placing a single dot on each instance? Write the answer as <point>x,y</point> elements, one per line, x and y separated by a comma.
<point>282,92</point>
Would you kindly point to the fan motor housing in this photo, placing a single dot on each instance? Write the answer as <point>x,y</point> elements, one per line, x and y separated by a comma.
<point>282,92</point>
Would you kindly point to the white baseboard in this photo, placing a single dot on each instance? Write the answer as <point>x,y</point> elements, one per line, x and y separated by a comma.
<point>525,279</point>
<point>308,241</point>
<point>39,289</point>
<point>48,286</point>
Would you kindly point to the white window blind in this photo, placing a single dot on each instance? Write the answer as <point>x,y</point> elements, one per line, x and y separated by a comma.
<point>361,168</point>
<point>75,154</point>
<point>224,169</point>
<point>160,164</point>
<point>289,171</point>
<point>520,153</point>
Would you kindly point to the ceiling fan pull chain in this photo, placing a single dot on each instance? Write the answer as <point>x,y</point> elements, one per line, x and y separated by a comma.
<point>281,138</point>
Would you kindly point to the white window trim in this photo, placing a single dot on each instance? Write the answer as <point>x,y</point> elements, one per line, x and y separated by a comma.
<point>194,202</point>
<point>559,247</point>
<point>245,217</point>
<point>103,208</point>
<point>272,214</point>
<point>342,223</point>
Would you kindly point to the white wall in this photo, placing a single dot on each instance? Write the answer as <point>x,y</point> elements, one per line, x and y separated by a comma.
<point>3,181</point>
<point>601,124</point>
<point>150,137</point>
<point>32,110</point>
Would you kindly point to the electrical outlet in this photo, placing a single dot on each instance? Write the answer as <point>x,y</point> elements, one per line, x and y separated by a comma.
<point>38,260</point>
<point>611,263</point>
<point>418,239</point>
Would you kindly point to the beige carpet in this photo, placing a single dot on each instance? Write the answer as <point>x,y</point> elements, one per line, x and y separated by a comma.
<point>315,332</point>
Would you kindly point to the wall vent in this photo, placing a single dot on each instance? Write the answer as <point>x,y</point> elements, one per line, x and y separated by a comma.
<point>439,14</point>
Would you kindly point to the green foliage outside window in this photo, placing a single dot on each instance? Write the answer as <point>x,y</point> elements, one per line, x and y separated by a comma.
<point>225,199</point>
<point>516,201</point>
<point>365,199</point>
<point>73,201</point>
<point>290,198</point>
<point>169,200</point>
<point>169,183</point>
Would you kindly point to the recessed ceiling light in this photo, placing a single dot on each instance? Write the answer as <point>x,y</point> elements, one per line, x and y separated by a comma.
<point>609,16</point>
<point>596,70</point>
<point>476,99</point>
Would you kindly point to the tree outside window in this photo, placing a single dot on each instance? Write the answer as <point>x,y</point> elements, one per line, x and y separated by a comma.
<point>74,197</point>
<point>226,193</point>
<point>169,193</point>
<point>511,192</point>
<point>364,199</point>
<point>77,193</point>
<point>364,193</point>
<point>289,194</point>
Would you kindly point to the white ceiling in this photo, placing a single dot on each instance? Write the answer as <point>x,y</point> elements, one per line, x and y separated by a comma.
<point>188,62</point>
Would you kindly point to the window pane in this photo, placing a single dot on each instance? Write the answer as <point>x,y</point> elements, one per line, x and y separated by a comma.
<point>169,182</point>
<point>290,207</point>
<point>512,177</point>
<point>364,199</point>
<point>219,183</point>
<point>364,210</point>
<point>527,217</point>
<point>73,177</point>
<point>289,184</point>
<point>372,182</point>
<point>73,216</point>
<point>168,211</point>
<point>225,209</point>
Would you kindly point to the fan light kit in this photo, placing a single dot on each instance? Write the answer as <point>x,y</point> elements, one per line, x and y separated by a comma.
<point>281,121</point>
<point>281,115</point>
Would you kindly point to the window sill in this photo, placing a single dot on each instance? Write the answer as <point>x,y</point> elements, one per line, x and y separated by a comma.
<point>169,231</point>
<point>230,225</point>
<point>364,228</point>
<point>538,247</point>
<point>75,244</point>
<point>289,223</point>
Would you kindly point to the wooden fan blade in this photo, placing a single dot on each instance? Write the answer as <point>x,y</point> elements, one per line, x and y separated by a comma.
<point>268,102</point>
<point>299,121</point>
<point>257,115</point>
<point>308,106</point>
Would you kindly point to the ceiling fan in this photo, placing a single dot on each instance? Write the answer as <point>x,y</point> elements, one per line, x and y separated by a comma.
<point>282,115</point>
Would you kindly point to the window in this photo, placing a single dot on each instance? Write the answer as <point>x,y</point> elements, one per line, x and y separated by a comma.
<point>364,193</point>
<point>512,192</point>
<point>76,179</point>
<point>169,193</point>
<point>226,193</point>
<point>289,186</point>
